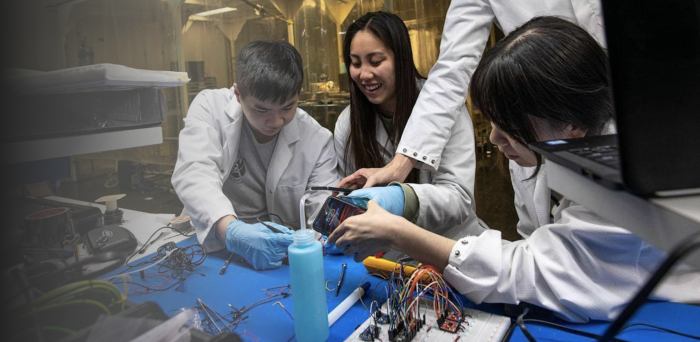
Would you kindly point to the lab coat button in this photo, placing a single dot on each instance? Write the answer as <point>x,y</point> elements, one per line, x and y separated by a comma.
<point>432,161</point>
<point>457,253</point>
<point>415,154</point>
<point>464,242</point>
<point>405,150</point>
<point>424,157</point>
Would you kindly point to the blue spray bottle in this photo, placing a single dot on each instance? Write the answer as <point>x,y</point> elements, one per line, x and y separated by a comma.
<point>308,283</point>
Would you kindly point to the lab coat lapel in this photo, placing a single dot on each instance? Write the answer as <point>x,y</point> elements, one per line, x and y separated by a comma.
<point>232,131</point>
<point>542,199</point>
<point>535,195</point>
<point>280,159</point>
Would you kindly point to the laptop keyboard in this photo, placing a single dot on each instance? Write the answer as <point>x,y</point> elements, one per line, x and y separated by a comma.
<point>605,154</point>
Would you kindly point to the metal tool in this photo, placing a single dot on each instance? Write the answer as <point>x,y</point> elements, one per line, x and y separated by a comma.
<point>223,269</point>
<point>270,227</point>
<point>204,308</point>
<point>340,279</point>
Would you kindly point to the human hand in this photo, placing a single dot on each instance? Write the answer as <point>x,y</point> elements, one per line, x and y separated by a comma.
<point>366,234</point>
<point>357,179</point>
<point>260,246</point>
<point>396,171</point>
<point>391,198</point>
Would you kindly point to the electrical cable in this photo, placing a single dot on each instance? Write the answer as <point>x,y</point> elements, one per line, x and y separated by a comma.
<point>147,242</point>
<point>151,289</point>
<point>509,333</point>
<point>85,294</point>
<point>520,322</point>
<point>172,262</point>
<point>522,326</point>
<point>686,246</point>
<point>76,288</point>
<point>141,269</point>
<point>567,329</point>
<point>238,315</point>
<point>661,328</point>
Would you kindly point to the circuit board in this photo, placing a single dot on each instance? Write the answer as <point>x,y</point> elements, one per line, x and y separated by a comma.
<point>478,326</point>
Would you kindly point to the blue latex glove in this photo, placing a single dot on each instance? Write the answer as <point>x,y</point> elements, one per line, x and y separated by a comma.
<point>257,244</point>
<point>391,198</point>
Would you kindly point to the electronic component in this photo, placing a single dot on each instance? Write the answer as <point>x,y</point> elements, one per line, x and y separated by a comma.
<point>391,262</point>
<point>370,333</point>
<point>483,327</point>
<point>111,238</point>
<point>381,318</point>
<point>448,325</point>
<point>449,321</point>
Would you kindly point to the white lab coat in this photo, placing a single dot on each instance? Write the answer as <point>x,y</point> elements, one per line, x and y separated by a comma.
<point>446,196</point>
<point>464,36</point>
<point>303,157</point>
<point>575,263</point>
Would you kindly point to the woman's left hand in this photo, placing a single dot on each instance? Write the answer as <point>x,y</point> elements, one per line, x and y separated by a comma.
<point>367,234</point>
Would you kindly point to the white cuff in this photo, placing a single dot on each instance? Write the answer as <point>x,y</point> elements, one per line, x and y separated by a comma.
<point>425,161</point>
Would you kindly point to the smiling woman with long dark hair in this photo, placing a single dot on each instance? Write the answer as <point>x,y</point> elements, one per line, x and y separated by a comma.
<point>384,86</point>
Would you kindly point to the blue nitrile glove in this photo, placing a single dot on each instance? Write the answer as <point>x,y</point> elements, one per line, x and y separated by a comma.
<point>257,244</point>
<point>390,198</point>
<point>330,248</point>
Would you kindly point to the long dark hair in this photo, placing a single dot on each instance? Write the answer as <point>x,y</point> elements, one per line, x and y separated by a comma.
<point>362,142</point>
<point>548,68</point>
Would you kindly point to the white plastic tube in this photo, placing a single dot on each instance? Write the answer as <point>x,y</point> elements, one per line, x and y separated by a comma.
<point>302,210</point>
<point>347,303</point>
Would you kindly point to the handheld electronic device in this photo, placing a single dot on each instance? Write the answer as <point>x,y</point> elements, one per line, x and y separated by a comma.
<point>335,210</point>
<point>330,188</point>
<point>389,262</point>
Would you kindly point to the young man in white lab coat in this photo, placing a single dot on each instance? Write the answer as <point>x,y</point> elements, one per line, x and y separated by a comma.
<point>247,155</point>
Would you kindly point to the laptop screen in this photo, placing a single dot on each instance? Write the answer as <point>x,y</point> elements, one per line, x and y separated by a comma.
<point>654,50</point>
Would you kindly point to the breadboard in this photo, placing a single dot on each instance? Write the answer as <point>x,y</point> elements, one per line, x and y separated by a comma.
<point>478,326</point>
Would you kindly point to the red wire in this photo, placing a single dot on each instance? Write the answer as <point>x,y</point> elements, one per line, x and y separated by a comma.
<point>251,335</point>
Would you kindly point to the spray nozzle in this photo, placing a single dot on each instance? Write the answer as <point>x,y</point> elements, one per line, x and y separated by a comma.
<point>302,212</point>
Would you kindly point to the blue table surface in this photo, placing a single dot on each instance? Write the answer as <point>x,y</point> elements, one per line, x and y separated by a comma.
<point>241,285</point>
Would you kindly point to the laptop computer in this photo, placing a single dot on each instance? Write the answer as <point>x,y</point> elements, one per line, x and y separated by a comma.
<point>654,51</point>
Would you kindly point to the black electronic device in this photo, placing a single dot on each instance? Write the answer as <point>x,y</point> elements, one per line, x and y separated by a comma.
<point>110,238</point>
<point>335,210</point>
<point>656,92</point>
<point>330,188</point>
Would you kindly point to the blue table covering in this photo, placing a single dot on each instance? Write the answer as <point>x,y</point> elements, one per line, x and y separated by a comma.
<point>242,286</point>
